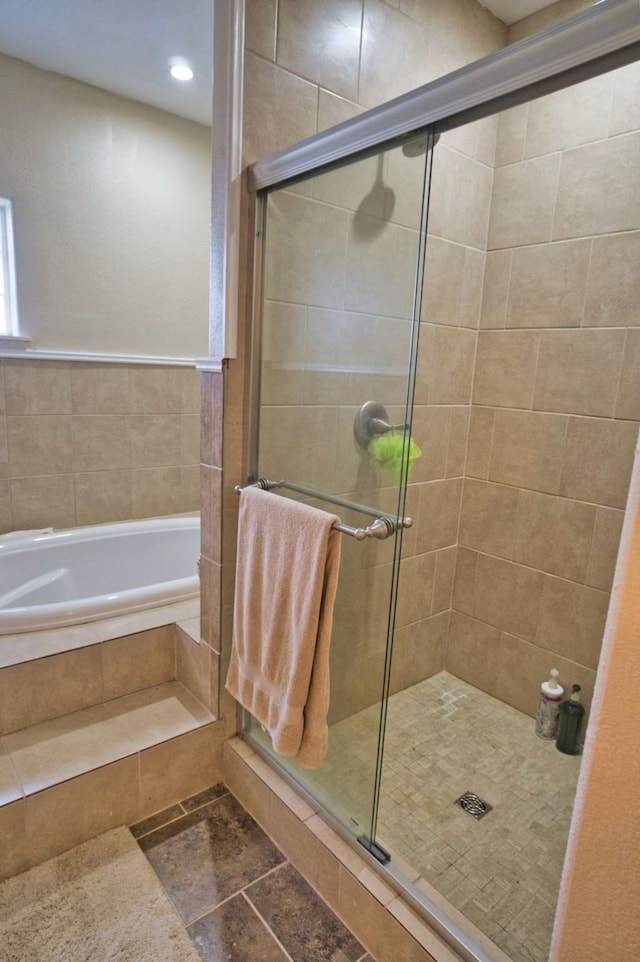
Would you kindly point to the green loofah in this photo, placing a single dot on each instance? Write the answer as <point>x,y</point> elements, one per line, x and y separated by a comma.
<point>390,451</point>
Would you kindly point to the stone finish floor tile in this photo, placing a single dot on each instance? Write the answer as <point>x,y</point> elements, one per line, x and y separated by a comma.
<point>209,855</point>
<point>234,932</point>
<point>443,738</point>
<point>302,922</point>
<point>156,821</point>
<point>209,795</point>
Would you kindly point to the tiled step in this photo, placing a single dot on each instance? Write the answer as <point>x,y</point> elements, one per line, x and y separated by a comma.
<point>68,778</point>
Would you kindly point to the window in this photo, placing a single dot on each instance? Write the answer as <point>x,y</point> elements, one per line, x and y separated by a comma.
<point>8,300</point>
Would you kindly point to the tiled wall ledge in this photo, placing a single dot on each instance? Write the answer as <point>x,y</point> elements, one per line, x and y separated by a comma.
<point>384,923</point>
<point>19,648</point>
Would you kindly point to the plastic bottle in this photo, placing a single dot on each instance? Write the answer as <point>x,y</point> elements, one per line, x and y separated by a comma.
<point>570,723</point>
<point>551,693</point>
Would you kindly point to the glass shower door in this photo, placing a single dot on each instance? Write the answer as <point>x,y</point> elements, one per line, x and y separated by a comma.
<point>342,258</point>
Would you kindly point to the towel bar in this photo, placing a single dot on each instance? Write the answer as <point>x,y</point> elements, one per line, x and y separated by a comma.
<point>381,528</point>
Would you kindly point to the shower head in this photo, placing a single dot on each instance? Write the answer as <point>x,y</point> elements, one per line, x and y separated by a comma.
<point>418,145</point>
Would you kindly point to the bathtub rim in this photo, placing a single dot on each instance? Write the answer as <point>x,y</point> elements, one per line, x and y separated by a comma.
<point>16,622</point>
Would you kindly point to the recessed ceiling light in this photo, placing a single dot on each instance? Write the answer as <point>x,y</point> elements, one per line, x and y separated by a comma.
<point>180,70</point>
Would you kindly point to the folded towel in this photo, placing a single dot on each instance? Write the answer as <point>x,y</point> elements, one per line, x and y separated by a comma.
<point>286,581</point>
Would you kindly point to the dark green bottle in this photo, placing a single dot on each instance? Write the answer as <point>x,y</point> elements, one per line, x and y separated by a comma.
<point>570,723</point>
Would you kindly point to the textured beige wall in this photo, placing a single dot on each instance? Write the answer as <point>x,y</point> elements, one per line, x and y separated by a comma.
<point>598,907</point>
<point>111,209</point>
<point>87,443</point>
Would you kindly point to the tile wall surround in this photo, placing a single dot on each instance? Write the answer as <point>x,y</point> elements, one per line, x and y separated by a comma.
<point>87,443</point>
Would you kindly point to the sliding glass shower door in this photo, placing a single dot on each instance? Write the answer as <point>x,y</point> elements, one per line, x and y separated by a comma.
<point>342,256</point>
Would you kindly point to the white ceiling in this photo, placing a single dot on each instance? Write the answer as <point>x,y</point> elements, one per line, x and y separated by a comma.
<point>510,11</point>
<point>121,45</point>
<point>125,45</point>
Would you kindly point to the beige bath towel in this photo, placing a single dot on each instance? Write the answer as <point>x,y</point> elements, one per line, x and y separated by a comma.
<point>286,580</point>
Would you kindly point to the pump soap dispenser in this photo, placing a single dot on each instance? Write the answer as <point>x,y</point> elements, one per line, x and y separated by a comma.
<point>570,723</point>
<point>551,693</point>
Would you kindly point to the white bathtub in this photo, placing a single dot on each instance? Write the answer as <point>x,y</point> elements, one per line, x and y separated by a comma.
<point>84,574</point>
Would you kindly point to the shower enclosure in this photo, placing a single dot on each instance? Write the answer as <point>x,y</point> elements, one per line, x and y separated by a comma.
<point>471,286</point>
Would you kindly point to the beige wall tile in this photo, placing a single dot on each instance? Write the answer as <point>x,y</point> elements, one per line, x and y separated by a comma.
<point>403,180</point>
<point>2,399</point>
<point>418,651</point>
<point>179,768</point>
<point>507,596</point>
<point>4,448</point>
<point>381,268</point>
<point>528,449</point>
<point>321,41</point>
<point>472,651</point>
<point>554,534</point>
<point>625,106</point>
<point>101,442</point>
<point>578,371</point>
<point>306,260</point>
<point>522,204</point>
<point>37,387</point>
<point>48,687</point>
<point>283,353</point>
<point>480,441</point>
<point>416,587</point>
<point>103,496</point>
<point>10,789</point>
<point>39,444</point>
<point>138,661</point>
<point>211,419</point>
<point>512,129</point>
<point>521,659</point>
<point>210,585</point>
<point>604,548</point>
<point>260,27</point>
<point>572,619</point>
<point>445,373</point>
<point>430,430</point>
<point>495,291</point>
<point>598,460</point>
<point>43,502</point>
<point>458,436</point>
<point>548,284</point>
<point>464,583</point>
<point>99,388</point>
<point>334,110</point>
<point>189,487</point>
<point>190,439</point>
<point>583,207</point>
<point>156,491</point>
<point>156,440</point>
<point>443,580</point>
<point>613,288</point>
<point>289,439</point>
<point>438,514</point>
<point>189,390</point>
<point>460,198</point>
<point>401,44</point>
<point>361,186</point>
<point>211,492</point>
<point>575,115</point>
<point>488,517</point>
<point>443,273</point>
<point>193,668</point>
<point>279,109</point>
<point>155,390</point>
<point>63,816</point>
<point>628,399</point>
<point>15,854</point>
<point>505,368</point>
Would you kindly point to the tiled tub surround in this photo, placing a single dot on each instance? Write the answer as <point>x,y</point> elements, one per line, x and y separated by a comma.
<point>86,443</point>
<point>235,891</point>
<point>107,733</point>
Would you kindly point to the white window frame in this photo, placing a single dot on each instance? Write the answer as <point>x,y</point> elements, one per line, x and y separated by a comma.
<point>8,267</point>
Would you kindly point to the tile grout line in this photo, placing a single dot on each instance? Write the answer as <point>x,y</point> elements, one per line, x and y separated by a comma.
<point>239,891</point>
<point>266,925</point>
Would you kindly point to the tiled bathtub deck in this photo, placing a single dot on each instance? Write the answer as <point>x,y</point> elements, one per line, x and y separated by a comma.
<point>444,738</point>
<point>238,896</point>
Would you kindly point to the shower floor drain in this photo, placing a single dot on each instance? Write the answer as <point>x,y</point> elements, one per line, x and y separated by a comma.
<point>473,805</point>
